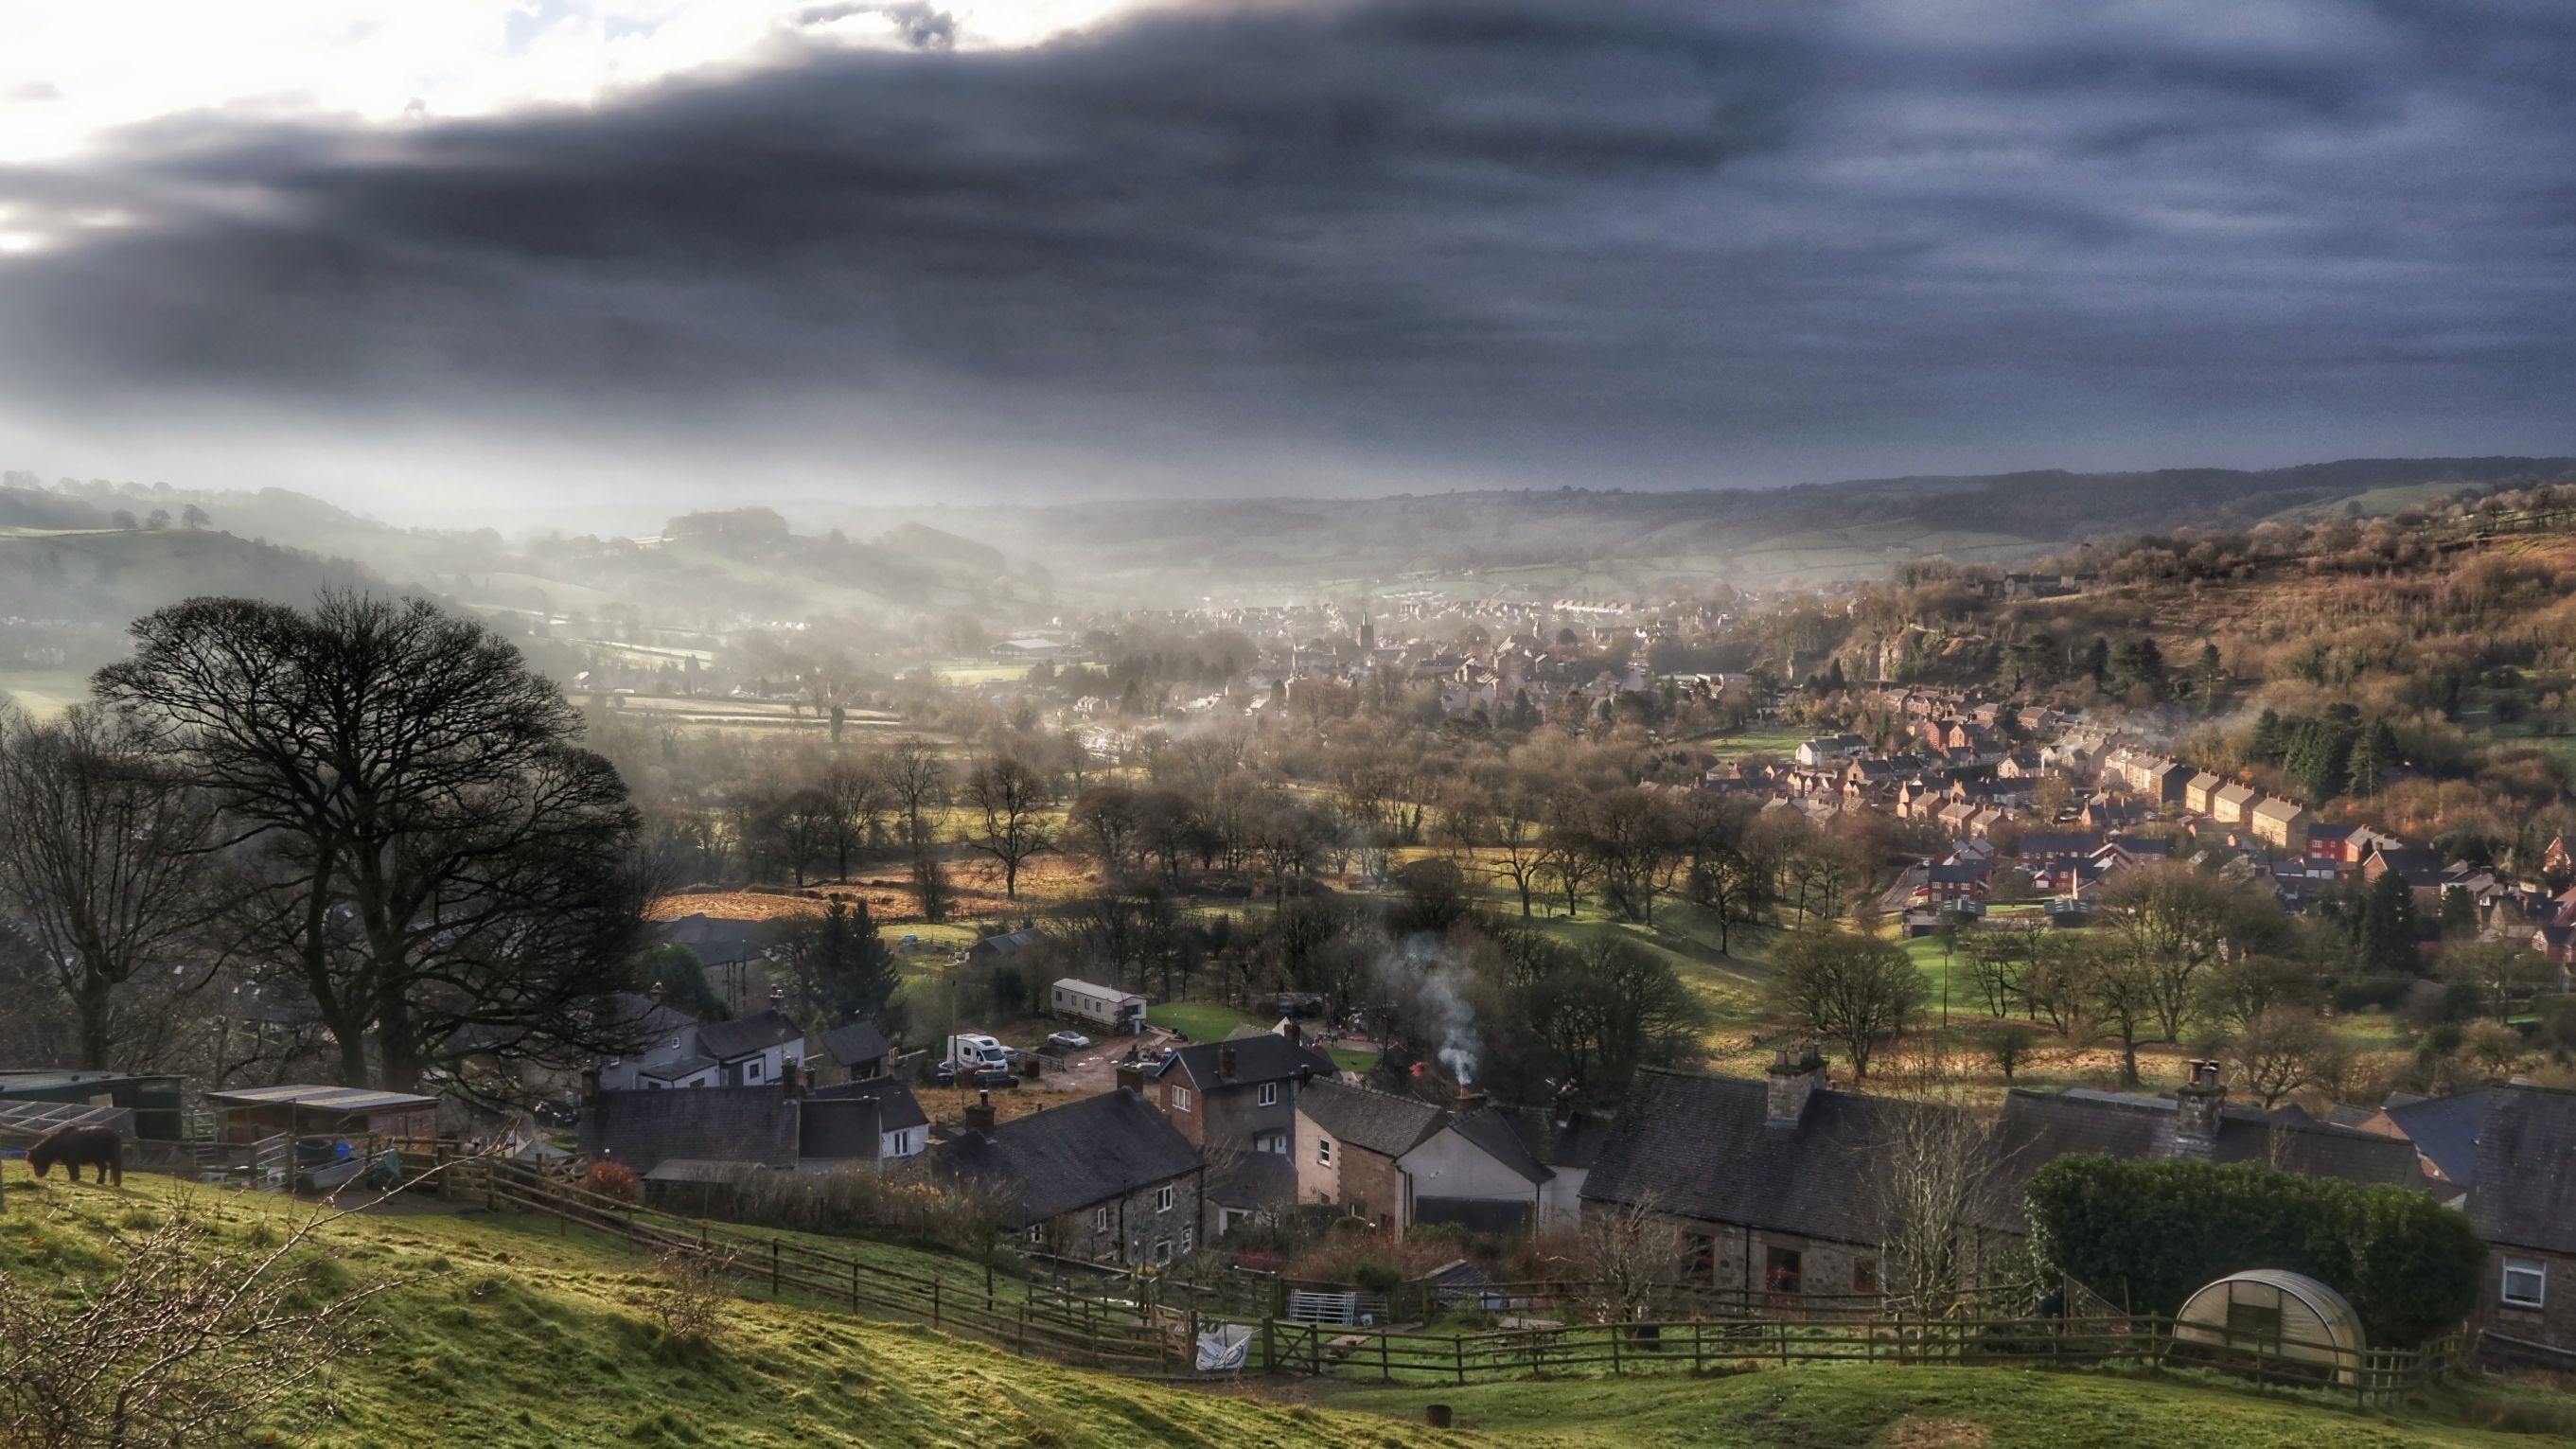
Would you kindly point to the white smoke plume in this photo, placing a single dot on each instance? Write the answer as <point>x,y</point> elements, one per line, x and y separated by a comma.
<point>1430,987</point>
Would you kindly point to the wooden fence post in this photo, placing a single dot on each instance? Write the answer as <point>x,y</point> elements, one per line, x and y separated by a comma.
<point>1459,1347</point>
<point>934,1303</point>
<point>773,1267</point>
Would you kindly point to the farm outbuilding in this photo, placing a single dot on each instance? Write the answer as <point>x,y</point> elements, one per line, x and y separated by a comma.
<point>2277,1315</point>
<point>1119,1011</point>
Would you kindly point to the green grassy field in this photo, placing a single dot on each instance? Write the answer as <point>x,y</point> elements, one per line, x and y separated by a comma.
<point>500,1333</point>
<point>503,1330</point>
<point>1200,1020</point>
<point>1857,1405</point>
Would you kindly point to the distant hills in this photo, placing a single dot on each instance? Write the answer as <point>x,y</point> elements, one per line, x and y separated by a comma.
<point>1610,538</point>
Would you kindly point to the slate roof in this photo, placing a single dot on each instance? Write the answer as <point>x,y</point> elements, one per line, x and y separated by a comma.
<point>1575,1143</point>
<point>2038,845</point>
<point>2419,865</point>
<point>1699,1147</point>
<point>854,1044</point>
<point>676,1069</point>
<point>1381,1122</point>
<point>900,1107</point>
<point>1252,1180</point>
<point>836,1128</point>
<point>1492,1133</point>
<point>2038,1127</point>
<point>716,1124</point>
<point>1266,1057</point>
<point>2445,1130</point>
<point>715,940</point>
<point>2526,1176</point>
<point>638,1020</point>
<point>728,1040</point>
<point>1070,1157</point>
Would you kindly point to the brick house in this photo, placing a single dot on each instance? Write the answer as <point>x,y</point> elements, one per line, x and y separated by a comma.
<point>1240,1094</point>
<point>2281,824</point>
<point>2197,790</point>
<point>1106,1179</point>
<point>2522,1199</point>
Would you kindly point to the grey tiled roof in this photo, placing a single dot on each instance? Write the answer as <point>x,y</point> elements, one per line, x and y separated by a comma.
<point>718,1124</point>
<point>1252,1180</point>
<point>1700,1147</point>
<point>2038,1127</point>
<point>1574,1143</point>
<point>854,1044</point>
<point>832,1129</point>
<point>1381,1122</point>
<point>1071,1157</point>
<point>1492,1132</point>
<point>2445,1129</point>
<point>2526,1192</point>
<point>901,1108</point>
<point>726,1040</point>
<point>1265,1057</point>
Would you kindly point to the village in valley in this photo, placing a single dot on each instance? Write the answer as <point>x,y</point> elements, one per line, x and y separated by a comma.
<point>1319,990</point>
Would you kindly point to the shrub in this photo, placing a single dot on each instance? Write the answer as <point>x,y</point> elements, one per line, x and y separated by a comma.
<point>2158,1231</point>
<point>614,1180</point>
<point>1375,1275</point>
<point>690,1306</point>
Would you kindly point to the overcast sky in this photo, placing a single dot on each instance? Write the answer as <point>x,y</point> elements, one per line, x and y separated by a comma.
<point>464,257</point>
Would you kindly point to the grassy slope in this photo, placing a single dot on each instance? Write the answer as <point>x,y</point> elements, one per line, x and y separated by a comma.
<point>1848,1407</point>
<point>511,1336</point>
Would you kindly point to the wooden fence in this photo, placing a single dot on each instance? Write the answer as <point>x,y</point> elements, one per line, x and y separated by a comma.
<point>1151,1334</point>
<point>1538,1349</point>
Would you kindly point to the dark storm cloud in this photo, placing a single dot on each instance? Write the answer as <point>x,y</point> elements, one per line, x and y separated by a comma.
<point>1600,241</point>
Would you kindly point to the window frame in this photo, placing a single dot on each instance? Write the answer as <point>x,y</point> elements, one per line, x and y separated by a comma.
<point>2534,1268</point>
<point>1266,1095</point>
<point>1189,1238</point>
<point>1323,1152</point>
<point>1100,1219</point>
<point>1180,1098</point>
<point>1164,1198</point>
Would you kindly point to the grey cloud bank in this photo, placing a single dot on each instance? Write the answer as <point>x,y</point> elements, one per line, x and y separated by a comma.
<point>1357,247</point>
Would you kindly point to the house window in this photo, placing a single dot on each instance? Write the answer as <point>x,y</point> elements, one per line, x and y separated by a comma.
<point>1268,1095</point>
<point>1699,1262</point>
<point>1359,1209</point>
<point>1782,1268</point>
<point>1864,1275</point>
<point>1270,1142</point>
<point>1037,1232</point>
<point>1162,1199</point>
<point>1180,1099</point>
<point>1100,1220</point>
<point>1324,1151</point>
<point>751,1071</point>
<point>2526,1283</point>
<point>1162,1250</point>
<point>1189,1239</point>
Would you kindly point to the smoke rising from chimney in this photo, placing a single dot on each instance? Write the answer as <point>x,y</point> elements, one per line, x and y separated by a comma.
<point>1431,987</point>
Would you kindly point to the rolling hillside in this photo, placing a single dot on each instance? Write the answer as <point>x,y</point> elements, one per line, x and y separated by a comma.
<point>500,1332</point>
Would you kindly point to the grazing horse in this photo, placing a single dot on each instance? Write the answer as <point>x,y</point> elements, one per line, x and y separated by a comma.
<point>79,1147</point>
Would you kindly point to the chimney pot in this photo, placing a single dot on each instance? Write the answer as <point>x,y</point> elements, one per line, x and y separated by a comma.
<point>979,1114</point>
<point>1792,1083</point>
<point>1471,1099</point>
<point>1131,1078</point>
<point>655,993</point>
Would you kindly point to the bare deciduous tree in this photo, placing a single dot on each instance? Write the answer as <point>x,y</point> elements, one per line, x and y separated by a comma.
<point>104,869</point>
<point>1010,802</point>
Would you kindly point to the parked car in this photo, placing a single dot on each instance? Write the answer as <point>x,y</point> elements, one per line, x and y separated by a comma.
<point>996,1077</point>
<point>1011,1057</point>
<point>1072,1041</point>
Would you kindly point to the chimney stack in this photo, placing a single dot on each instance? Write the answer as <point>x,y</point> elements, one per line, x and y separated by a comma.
<point>656,993</point>
<point>979,1114</point>
<point>590,1084</point>
<point>777,996</point>
<point>2197,1104</point>
<point>1131,1078</point>
<point>1225,1058</point>
<point>1470,1099</point>
<point>791,1077</point>
<point>1796,1073</point>
<point>1565,1098</point>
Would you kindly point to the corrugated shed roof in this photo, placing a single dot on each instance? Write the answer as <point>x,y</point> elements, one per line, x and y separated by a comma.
<point>855,1043</point>
<point>324,1099</point>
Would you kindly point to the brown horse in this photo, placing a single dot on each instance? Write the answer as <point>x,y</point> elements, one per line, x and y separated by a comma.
<point>79,1147</point>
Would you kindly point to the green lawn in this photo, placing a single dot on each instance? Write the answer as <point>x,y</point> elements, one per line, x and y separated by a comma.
<point>1200,1020</point>
<point>1860,1406</point>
